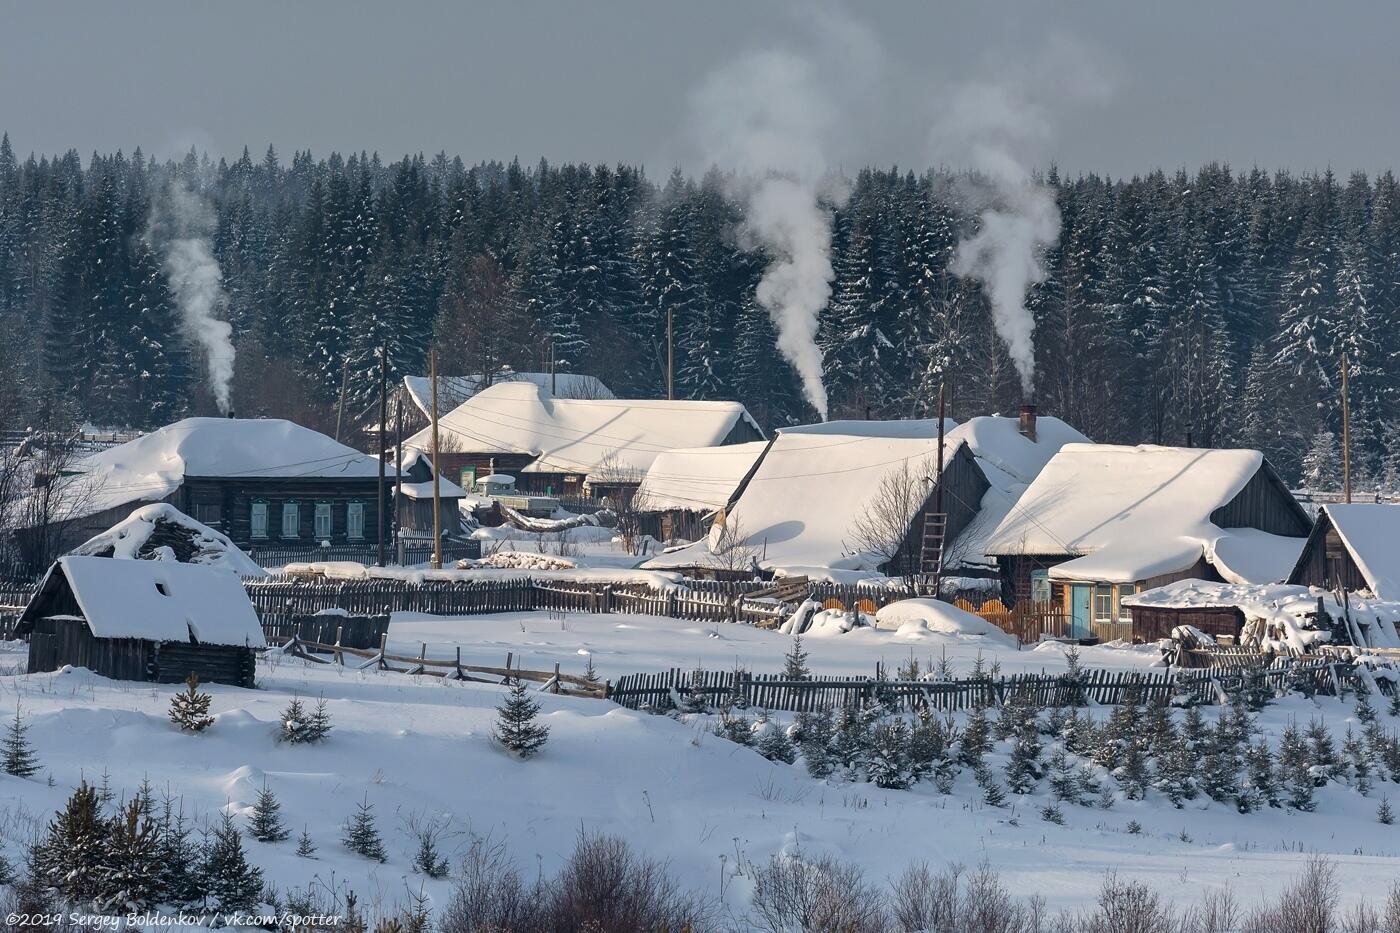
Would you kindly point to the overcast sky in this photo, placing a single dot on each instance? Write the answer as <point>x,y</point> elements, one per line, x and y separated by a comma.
<point>1278,84</point>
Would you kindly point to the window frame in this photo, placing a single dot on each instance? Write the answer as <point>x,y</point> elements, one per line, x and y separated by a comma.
<point>1124,589</point>
<point>253,508</point>
<point>1103,591</point>
<point>323,509</point>
<point>353,508</point>
<point>290,507</point>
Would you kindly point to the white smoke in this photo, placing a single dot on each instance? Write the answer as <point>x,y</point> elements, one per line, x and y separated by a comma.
<point>770,118</point>
<point>179,229</point>
<point>996,128</point>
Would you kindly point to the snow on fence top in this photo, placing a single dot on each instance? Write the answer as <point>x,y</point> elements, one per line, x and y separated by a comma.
<point>159,601</point>
<point>697,479</point>
<point>153,466</point>
<point>1134,513</point>
<point>454,390</point>
<point>1371,532</point>
<point>581,435</point>
<point>800,507</point>
<point>160,532</point>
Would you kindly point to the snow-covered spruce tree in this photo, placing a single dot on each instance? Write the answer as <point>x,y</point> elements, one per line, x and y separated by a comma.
<point>1322,753</point>
<point>1174,775</point>
<point>71,856</point>
<point>305,847</point>
<point>516,728</point>
<point>993,794</point>
<point>850,746</point>
<point>130,879</point>
<point>695,700</point>
<point>180,859</point>
<point>590,674</point>
<point>775,745</point>
<point>1393,708</point>
<point>736,727</point>
<point>265,825</point>
<point>795,662</point>
<point>1365,712</point>
<point>1073,680</point>
<point>227,879</point>
<point>428,860</point>
<point>296,723</point>
<point>1300,789</point>
<point>976,739</point>
<point>818,730</point>
<point>889,765</point>
<point>1051,813</point>
<point>1023,770</point>
<point>319,725</point>
<point>1384,814</point>
<point>1064,781</point>
<point>361,836</point>
<point>929,739</point>
<point>189,709</point>
<point>17,755</point>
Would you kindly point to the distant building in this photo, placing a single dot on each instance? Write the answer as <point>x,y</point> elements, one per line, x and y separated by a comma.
<point>1353,547</point>
<point>142,620</point>
<point>573,447</point>
<point>1102,522</point>
<point>684,489</point>
<point>416,393</point>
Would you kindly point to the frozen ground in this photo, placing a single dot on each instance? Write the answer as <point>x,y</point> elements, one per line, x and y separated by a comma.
<point>420,747</point>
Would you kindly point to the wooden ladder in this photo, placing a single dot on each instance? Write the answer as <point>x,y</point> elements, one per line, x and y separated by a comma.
<point>931,554</point>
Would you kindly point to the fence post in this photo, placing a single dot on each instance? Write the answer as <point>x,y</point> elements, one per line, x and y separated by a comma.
<point>556,678</point>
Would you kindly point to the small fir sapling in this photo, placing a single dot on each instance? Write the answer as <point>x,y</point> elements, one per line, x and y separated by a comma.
<point>1051,813</point>
<point>889,765</point>
<point>1260,773</point>
<point>230,883</point>
<point>516,729</point>
<point>305,847</point>
<point>296,724</point>
<point>795,662</point>
<point>1394,706</point>
<point>1300,789</point>
<point>69,858</point>
<point>695,700</point>
<point>1023,769</point>
<point>17,755</point>
<point>851,743</point>
<point>189,709</point>
<point>130,880</point>
<point>428,860</point>
<point>976,739</point>
<point>265,825</point>
<point>992,793</point>
<point>1384,814</point>
<point>319,725</point>
<point>361,835</point>
<point>590,674</point>
<point>775,744</point>
<point>818,730</point>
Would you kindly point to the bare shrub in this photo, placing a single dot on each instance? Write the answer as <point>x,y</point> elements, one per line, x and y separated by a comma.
<point>792,894</point>
<point>921,900</point>
<point>884,528</point>
<point>988,907</point>
<point>1218,912</point>
<point>607,888</point>
<point>490,896</point>
<point>1129,907</point>
<point>1308,905</point>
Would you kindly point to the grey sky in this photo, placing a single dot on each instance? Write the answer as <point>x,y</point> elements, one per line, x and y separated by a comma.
<point>1279,84</point>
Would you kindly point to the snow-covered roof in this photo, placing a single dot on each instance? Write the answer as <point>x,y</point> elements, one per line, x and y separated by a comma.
<point>152,467</point>
<point>143,535</point>
<point>454,390</point>
<point>697,479</point>
<point>1371,532</point>
<point>424,490</point>
<point>1133,513</point>
<point>581,435</point>
<point>158,601</point>
<point>803,500</point>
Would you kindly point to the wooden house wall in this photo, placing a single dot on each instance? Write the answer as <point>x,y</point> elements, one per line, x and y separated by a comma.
<point>1153,623</point>
<point>1264,503</point>
<point>1326,561</point>
<point>56,642</point>
<point>741,433</point>
<point>232,499</point>
<point>963,484</point>
<point>416,515</point>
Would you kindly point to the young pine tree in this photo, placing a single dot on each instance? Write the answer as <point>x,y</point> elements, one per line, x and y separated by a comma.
<point>1384,814</point>
<point>189,709</point>
<point>516,728</point>
<point>265,825</point>
<point>17,756</point>
<point>71,856</point>
<point>229,882</point>
<point>889,765</point>
<point>296,723</point>
<point>305,847</point>
<point>795,662</point>
<point>1024,769</point>
<point>180,859</point>
<point>428,860</point>
<point>775,744</point>
<point>818,730</point>
<point>319,724</point>
<point>131,874</point>
<point>361,836</point>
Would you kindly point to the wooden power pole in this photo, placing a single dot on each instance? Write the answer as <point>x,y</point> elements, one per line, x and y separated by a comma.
<point>340,408</point>
<point>670,355</point>
<point>1346,434</point>
<point>437,494</point>
<point>383,450</point>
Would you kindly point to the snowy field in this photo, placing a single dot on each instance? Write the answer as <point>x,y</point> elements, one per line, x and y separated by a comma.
<point>420,748</point>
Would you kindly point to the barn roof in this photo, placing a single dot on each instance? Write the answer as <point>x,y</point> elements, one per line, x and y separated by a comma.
<point>1133,513</point>
<point>454,390</point>
<point>581,435</point>
<point>152,600</point>
<point>153,466</point>
<point>160,531</point>
<point>697,479</point>
<point>1371,533</point>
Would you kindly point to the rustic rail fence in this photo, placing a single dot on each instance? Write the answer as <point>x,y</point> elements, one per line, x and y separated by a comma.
<point>450,668</point>
<point>671,689</point>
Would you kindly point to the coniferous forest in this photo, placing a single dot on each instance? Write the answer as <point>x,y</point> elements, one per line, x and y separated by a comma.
<point>1212,307</point>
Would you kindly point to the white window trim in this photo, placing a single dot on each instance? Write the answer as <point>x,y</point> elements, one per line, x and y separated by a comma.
<point>253,521</point>
<point>326,511</point>
<point>352,510</point>
<point>296,507</point>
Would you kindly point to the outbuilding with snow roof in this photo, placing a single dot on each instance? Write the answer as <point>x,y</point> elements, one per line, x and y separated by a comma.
<point>1352,547</point>
<point>142,620</point>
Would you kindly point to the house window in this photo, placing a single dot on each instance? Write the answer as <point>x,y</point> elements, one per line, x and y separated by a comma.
<point>291,519</point>
<point>355,520</point>
<point>210,513</point>
<point>1040,586</point>
<point>1103,602</point>
<point>323,521</point>
<point>257,520</point>
<point>1125,589</point>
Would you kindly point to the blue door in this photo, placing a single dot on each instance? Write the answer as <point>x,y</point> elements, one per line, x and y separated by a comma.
<point>1079,611</point>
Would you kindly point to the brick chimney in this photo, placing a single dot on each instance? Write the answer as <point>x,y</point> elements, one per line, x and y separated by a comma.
<point>1027,426</point>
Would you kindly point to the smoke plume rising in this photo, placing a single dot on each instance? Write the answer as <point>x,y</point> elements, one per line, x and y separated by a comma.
<point>996,128</point>
<point>769,117</point>
<point>179,229</point>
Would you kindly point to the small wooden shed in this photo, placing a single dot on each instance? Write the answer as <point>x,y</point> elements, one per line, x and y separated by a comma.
<point>1353,547</point>
<point>142,620</point>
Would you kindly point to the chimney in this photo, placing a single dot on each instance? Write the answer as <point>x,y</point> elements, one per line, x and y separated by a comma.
<point>1027,427</point>
<point>231,414</point>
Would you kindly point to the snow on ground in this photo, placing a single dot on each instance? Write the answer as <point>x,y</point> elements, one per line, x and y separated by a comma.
<point>420,747</point>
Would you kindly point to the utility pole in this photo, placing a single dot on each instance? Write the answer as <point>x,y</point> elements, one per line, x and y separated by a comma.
<point>383,450</point>
<point>437,494</point>
<point>670,354</point>
<point>1346,434</point>
<point>398,469</point>
<point>340,409</point>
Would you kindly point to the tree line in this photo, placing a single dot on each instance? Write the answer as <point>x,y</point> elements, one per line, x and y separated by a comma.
<point>1211,308</point>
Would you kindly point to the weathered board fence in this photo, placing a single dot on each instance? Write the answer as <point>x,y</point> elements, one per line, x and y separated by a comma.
<point>671,689</point>
<point>330,628</point>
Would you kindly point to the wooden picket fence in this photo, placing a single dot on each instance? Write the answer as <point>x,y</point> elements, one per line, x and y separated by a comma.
<point>670,689</point>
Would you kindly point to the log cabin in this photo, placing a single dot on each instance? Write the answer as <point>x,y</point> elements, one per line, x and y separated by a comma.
<point>142,620</point>
<point>1102,522</point>
<point>1353,547</point>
